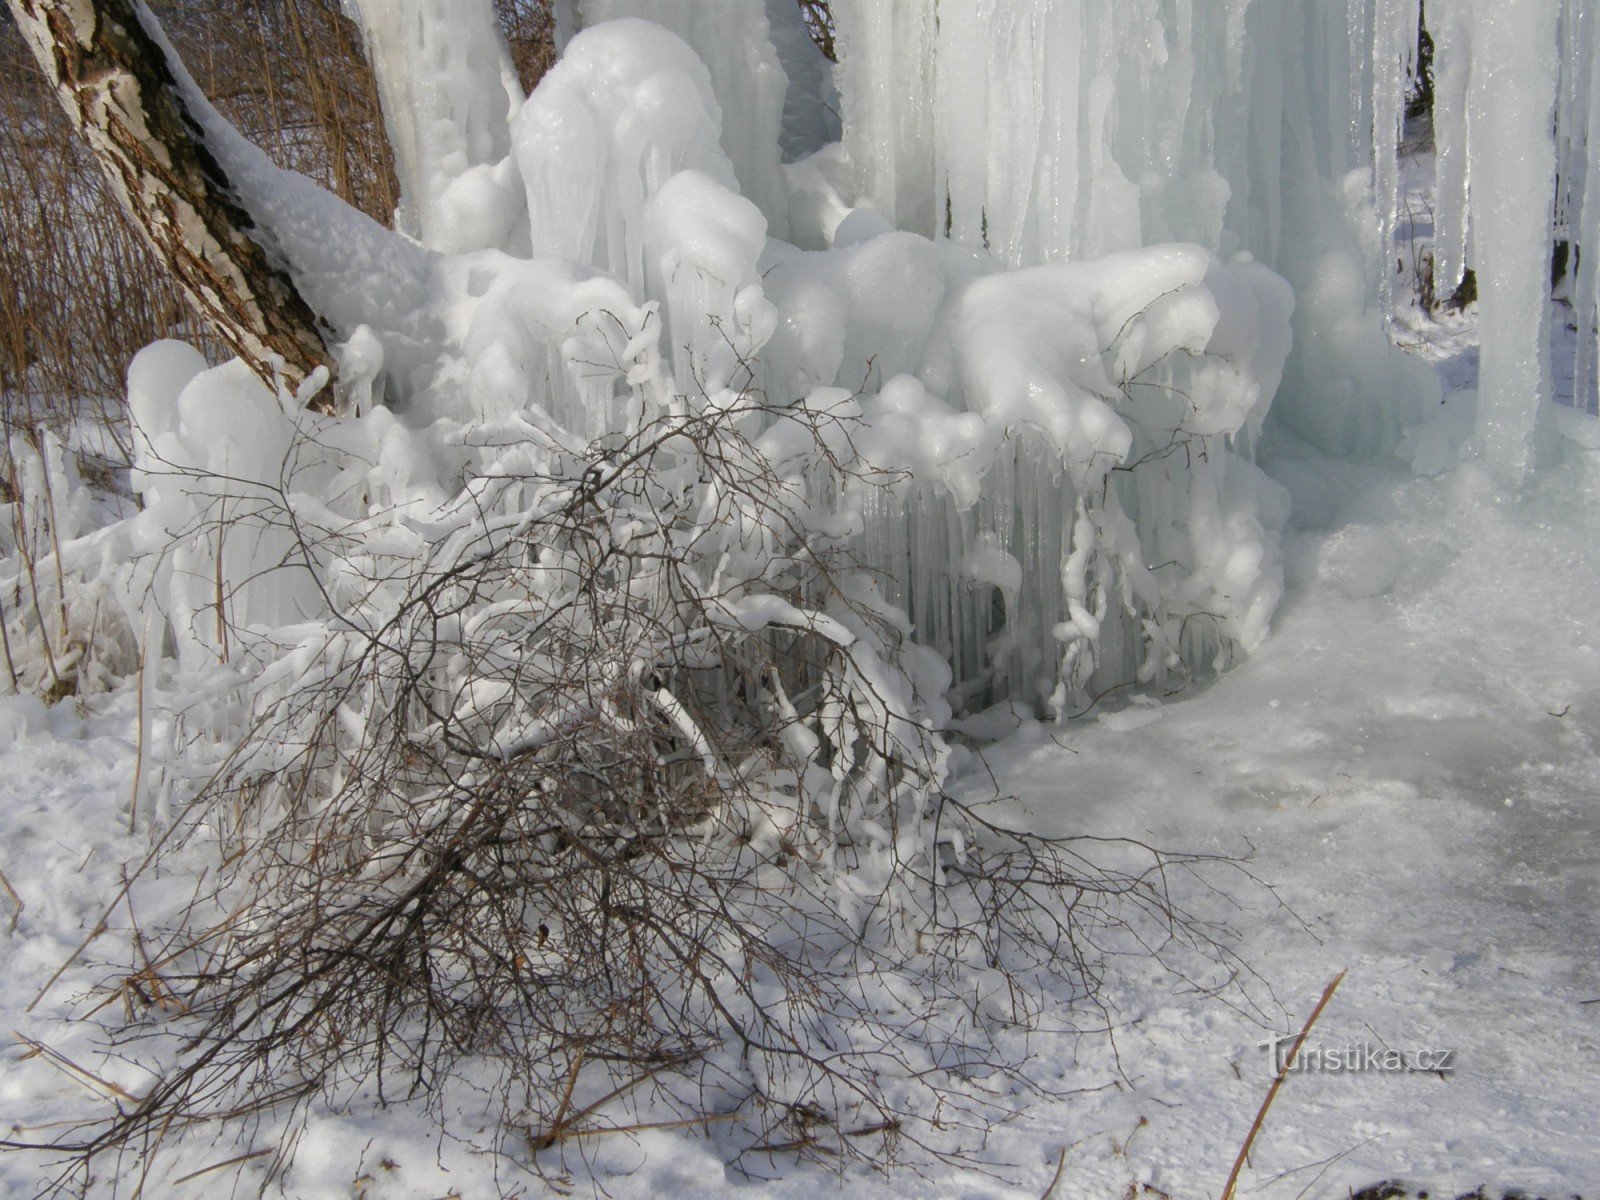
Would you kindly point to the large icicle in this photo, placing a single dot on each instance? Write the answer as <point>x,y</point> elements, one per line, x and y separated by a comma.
<point>1578,174</point>
<point>1511,90</point>
<point>447,117</point>
<point>628,106</point>
<point>733,39</point>
<point>1394,42</point>
<point>886,68</point>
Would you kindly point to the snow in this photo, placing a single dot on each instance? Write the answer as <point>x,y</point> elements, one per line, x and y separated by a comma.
<point>1010,345</point>
<point>1411,757</point>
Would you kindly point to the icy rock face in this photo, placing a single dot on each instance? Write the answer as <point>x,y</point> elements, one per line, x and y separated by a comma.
<point>1042,129</point>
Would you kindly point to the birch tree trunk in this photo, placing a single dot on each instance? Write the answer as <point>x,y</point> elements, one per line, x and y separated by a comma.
<point>111,72</point>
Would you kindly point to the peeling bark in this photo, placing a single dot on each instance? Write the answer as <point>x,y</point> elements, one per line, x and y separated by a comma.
<point>118,88</point>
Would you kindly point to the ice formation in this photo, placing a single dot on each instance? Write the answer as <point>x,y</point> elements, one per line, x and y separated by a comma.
<point>1503,183</point>
<point>1040,279</point>
<point>733,40</point>
<point>448,88</point>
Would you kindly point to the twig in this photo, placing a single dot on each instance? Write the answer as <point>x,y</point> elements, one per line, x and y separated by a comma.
<point>99,928</point>
<point>561,1135</point>
<point>1272,1092</point>
<point>545,1140</point>
<point>557,1125</point>
<point>1061,1165</point>
<point>150,1158</point>
<point>61,1062</point>
<point>142,727</point>
<point>225,1163</point>
<point>15,899</point>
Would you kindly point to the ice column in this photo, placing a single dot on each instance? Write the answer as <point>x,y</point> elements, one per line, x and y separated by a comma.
<point>448,87</point>
<point>628,106</point>
<point>1511,91</point>
<point>1578,176</point>
<point>733,39</point>
<point>886,74</point>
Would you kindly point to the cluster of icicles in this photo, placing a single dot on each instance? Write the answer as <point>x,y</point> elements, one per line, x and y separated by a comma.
<point>1049,266</point>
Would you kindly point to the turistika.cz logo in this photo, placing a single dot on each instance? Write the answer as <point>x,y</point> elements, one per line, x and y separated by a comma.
<point>1355,1058</point>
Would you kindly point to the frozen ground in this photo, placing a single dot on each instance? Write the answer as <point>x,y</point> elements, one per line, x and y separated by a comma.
<point>1412,756</point>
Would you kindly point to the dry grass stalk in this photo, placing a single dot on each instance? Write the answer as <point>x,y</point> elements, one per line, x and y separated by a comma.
<point>1277,1082</point>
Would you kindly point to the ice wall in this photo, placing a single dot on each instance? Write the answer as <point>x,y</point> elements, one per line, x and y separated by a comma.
<point>1043,129</point>
<point>1041,278</point>
<point>1055,130</point>
<point>1063,495</point>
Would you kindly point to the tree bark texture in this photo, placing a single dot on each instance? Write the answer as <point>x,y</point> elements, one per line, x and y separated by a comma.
<point>114,79</point>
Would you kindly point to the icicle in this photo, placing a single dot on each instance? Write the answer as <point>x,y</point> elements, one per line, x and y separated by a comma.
<point>628,106</point>
<point>734,40</point>
<point>886,70</point>
<point>1394,42</point>
<point>1451,44</point>
<point>1510,102</point>
<point>447,117</point>
<point>1578,172</point>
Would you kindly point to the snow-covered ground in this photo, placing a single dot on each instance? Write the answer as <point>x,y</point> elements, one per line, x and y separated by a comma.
<point>1412,755</point>
<point>1411,760</point>
<point>1408,768</point>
